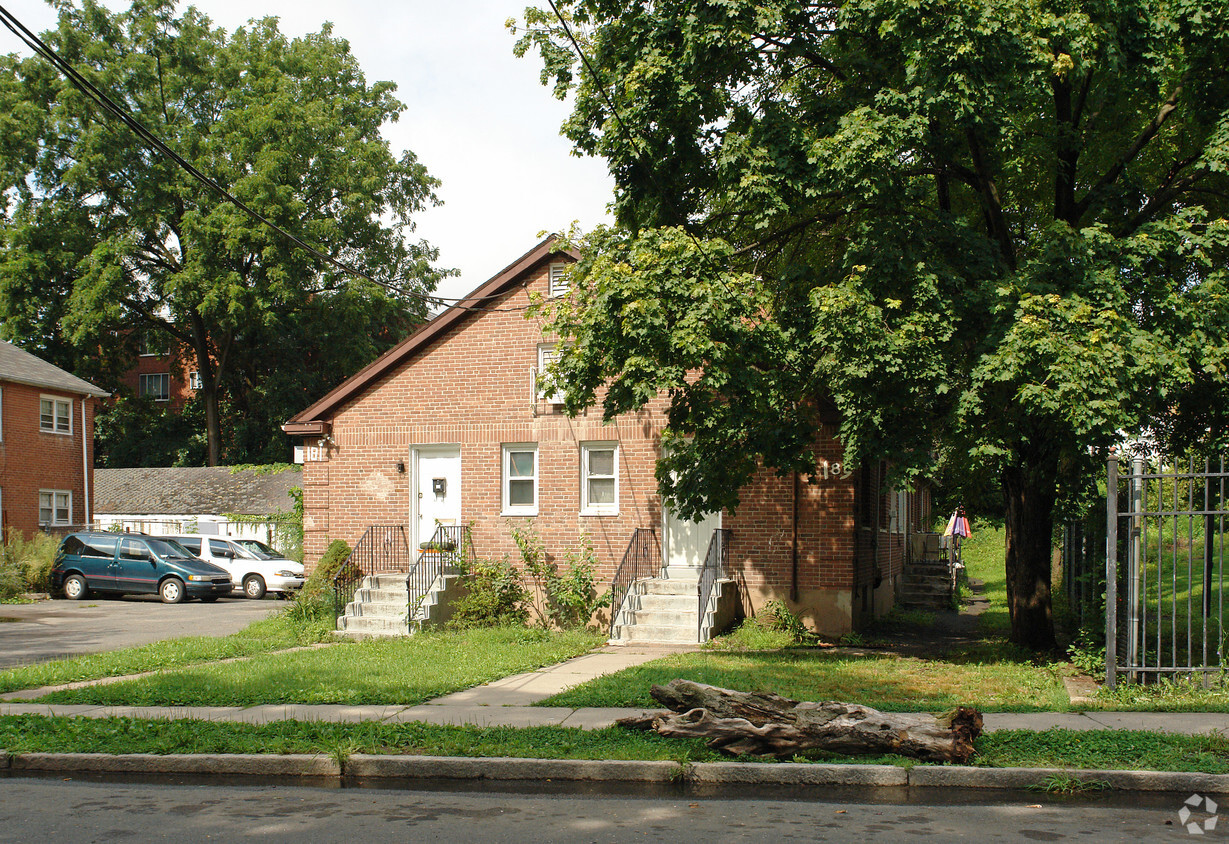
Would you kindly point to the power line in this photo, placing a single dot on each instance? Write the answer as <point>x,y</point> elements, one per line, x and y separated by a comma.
<point>110,107</point>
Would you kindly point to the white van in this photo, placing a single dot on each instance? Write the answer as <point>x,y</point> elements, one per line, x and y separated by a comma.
<point>255,576</point>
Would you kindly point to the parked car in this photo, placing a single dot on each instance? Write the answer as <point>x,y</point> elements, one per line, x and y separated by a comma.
<point>250,573</point>
<point>261,550</point>
<point>133,564</point>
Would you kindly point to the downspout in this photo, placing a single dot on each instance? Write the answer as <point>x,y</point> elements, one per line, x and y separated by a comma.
<point>793,589</point>
<point>85,465</point>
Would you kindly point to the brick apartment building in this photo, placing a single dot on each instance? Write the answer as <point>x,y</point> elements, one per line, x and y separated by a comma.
<point>46,443</point>
<point>165,371</point>
<point>450,427</point>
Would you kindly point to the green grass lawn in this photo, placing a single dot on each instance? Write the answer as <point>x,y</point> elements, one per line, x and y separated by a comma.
<point>382,671</point>
<point>1107,749</point>
<point>271,634</point>
<point>984,555</point>
<point>890,683</point>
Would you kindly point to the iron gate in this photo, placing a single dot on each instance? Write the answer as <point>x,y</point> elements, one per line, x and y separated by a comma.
<point>1164,605</point>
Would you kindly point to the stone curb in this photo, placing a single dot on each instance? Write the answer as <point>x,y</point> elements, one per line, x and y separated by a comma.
<point>231,764</point>
<point>955,776</point>
<point>795,773</point>
<point>363,766</point>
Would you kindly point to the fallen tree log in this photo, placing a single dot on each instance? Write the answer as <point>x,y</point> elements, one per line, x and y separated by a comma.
<point>764,725</point>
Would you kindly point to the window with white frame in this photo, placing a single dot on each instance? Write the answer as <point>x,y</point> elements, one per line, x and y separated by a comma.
<point>599,479</point>
<point>548,353</point>
<point>520,479</point>
<point>55,507</point>
<point>194,380</point>
<point>55,416</point>
<point>155,385</point>
<point>559,281</point>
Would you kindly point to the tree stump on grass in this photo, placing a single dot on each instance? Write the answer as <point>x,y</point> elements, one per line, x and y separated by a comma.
<point>767,725</point>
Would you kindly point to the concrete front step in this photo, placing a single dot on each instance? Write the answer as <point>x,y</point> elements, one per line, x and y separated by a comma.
<point>391,609</point>
<point>373,625</point>
<point>657,633</point>
<point>925,586</point>
<point>385,581</point>
<point>383,596</point>
<point>659,618</point>
<point>667,603</point>
<point>658,586</point>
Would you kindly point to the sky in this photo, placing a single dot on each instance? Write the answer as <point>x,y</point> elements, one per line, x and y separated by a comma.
<point>477,117</point>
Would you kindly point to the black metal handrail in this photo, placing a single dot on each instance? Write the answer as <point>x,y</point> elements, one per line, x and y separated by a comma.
<point>641,560</point>
<point>383,549</point>
<point>713,570</point>
<point>449,551</point>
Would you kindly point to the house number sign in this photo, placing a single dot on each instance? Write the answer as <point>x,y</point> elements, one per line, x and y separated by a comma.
<point>835,470</point>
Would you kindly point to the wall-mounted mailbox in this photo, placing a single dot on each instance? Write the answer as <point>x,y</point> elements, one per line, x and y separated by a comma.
<point>438,486</point>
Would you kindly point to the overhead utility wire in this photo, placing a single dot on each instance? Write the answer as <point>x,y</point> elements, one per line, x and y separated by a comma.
<point>632,140</point>
<point>93,93</point>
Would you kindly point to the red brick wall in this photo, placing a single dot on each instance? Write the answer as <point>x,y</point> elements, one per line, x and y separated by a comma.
<point>32,460</point>
<point>178,364</point>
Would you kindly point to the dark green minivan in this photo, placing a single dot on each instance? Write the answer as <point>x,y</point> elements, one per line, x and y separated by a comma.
<point>134,564</point>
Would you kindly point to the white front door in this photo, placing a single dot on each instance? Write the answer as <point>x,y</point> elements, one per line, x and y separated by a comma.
<point>687,542</point>
<point>436,490</point>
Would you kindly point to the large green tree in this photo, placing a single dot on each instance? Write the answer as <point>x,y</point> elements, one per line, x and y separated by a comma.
<point>991,231</point>
<point>105,239</point>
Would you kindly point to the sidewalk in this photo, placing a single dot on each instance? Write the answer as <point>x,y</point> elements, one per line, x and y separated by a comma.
<point>508,702</point>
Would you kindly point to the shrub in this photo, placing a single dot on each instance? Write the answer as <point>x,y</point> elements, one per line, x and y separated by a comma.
<point>777,616</point>
<point>26,564</point>
<point>320,582</point>
<point>496,597</point>
<point>564,600</point>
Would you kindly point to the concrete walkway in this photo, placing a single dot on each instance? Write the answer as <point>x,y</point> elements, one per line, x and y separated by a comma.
<point>508,702</point>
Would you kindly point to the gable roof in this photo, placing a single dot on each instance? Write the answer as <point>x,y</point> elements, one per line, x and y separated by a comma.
<point>21,367</point>
<point>313,420</point>
<point>194,491</point>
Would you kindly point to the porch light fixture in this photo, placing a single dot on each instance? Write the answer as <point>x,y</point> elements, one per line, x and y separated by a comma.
<point>400,467</point>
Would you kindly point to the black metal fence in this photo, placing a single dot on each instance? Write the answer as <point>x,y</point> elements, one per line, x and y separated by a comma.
<point>1165,568</point>
<point>714,569</point>
<point>382,549</point>
<point>449,551</point>
<point>641,560</point>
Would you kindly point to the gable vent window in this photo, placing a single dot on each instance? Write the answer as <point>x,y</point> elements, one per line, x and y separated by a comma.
<point>559,282</point>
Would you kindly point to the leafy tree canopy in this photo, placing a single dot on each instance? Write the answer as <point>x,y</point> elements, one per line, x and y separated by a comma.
<point>991,231</point>
<point>104,239</point>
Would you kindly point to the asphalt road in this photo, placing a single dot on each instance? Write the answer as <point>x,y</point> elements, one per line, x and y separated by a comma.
<point>79,811</point>
<point>47,630</point>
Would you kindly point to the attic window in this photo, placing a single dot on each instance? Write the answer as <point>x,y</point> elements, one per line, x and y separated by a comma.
<point>559,282</point>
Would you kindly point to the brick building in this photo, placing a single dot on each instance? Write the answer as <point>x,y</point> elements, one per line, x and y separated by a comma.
<point>164,371</point>
<point>46,443</point>
<point>451,427</point>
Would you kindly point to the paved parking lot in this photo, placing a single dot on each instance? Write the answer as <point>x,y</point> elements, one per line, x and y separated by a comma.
<point>52,629</point>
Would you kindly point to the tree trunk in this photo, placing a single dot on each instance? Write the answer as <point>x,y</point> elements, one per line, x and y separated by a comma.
<point>767,725</point>
<point>209,390</point>
<point>1029,487</point>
